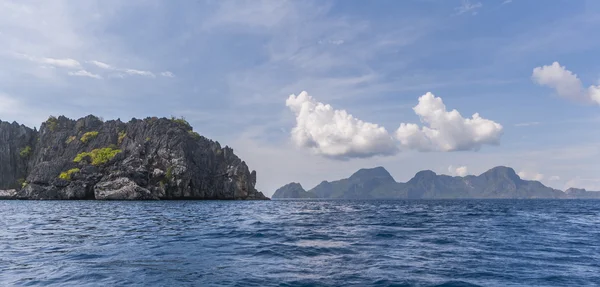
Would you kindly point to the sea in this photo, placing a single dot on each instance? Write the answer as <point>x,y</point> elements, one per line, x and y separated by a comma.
<point>300,243</point>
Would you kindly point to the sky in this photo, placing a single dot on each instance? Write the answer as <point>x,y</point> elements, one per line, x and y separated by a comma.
<point>306,91</point>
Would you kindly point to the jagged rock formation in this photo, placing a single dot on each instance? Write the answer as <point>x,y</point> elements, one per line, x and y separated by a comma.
<point>142,159</point>
<point>377,183</point>
<point>293,190</point>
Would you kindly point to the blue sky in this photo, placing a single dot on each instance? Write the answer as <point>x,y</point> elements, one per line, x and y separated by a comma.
<point>229,67</point>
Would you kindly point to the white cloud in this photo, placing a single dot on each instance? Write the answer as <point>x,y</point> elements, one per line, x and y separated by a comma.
<point>466,6</point>
<point>335,133</point>
<point>460,171</point>
<point>101,65</point>
<point>84,73</point>
<point>527,124</point>
<point>167,74</point>
<point>447,131</point>
<point>566,84</point>
<point>554,178</point>
<point>139,73</point>
<point>527,175</point>
<point>506,2</point>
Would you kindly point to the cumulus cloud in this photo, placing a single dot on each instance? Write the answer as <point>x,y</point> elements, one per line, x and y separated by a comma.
<point>84,73</point>
<point>460,171</point>
<point>336,133</point>
<point>447,130</point>
<point>527,175</point>
<point>566,83</point>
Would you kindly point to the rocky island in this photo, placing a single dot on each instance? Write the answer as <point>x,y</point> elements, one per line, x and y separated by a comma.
<point>153,158</point>
<point>377,183</point>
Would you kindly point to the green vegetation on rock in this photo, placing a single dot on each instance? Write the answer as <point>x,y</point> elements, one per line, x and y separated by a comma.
<point>89,136</point>
<point>25,152</point>
<point>22,183</point>
<point>67,174</point>
<point>98,156</point>
<point>52,123</point>
<point>122,135</point>
<point>195,135</point>
<point>70,139</point>
<point>182,121</point>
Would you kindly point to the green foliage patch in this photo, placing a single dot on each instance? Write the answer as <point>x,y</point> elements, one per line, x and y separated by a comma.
<point>25,152</point>
<point>67,174</point>
<point>70,139</point>
<point>194,134</point>
<point>122,135</point>
<point>52,123</point>
<point>98,156</point>
<point>181,121</point>
<point>89,136</point>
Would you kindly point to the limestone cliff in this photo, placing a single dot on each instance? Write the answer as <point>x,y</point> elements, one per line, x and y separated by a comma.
<point>154,158</point>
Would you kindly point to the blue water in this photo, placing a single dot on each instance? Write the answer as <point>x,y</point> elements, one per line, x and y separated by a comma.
<point>300,243</point>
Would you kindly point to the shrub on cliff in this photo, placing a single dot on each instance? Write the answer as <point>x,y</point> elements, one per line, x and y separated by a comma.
<point>98,156</point>
<point>52,123</point>
<point>67,174</point>
<point>25,152</point>
<point>182,121</point>
<point>70,139</point>
<point>195,135</point>
<point>122,135</point>
<point>89,136</point>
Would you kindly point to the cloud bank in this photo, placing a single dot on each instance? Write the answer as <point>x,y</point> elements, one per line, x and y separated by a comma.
<point>336,133</point>
<point>447,130</point>
<point>565,83</point>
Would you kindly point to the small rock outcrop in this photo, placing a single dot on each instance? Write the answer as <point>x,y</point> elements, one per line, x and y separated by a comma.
<point>293,190</point>
<point>154,158</point>
<point>582,193</point>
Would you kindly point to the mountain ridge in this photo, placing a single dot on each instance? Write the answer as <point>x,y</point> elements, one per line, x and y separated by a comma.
<point>497,182</point>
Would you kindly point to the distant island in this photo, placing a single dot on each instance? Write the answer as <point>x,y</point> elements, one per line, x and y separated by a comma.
<point>377,183</point>
<point>154,158</point>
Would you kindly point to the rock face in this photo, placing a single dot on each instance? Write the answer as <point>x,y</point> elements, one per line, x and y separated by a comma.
<point>142,159</point>
<point>377,183</point>
<point>293,190</point>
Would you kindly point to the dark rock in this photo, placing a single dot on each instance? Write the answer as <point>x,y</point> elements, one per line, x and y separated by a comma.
<point>154,158</point>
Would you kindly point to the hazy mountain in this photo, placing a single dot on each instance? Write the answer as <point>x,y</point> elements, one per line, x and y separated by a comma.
<point>377,183</point>
<point>582,193</point>
<point>293,190</point>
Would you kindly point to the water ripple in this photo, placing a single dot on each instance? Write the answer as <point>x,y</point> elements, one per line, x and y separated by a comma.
<point>300,243</point>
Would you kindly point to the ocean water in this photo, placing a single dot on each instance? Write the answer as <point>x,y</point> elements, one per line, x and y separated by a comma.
<point>300,243</point>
